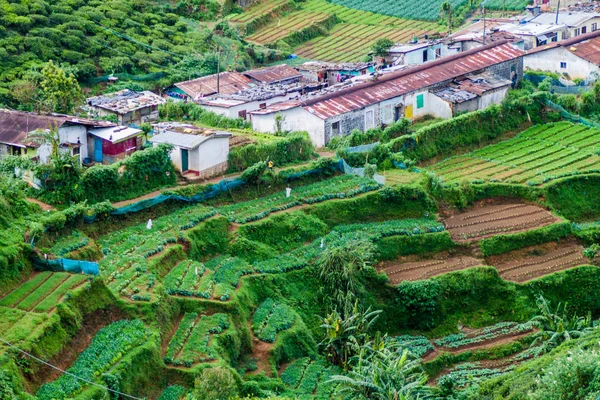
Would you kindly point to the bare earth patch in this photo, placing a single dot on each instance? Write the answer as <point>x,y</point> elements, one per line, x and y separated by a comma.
<point>489,220</point>
<point>425,269</point>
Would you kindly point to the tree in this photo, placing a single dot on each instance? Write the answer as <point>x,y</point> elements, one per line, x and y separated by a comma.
<point>254,173</point>
<point>345,332</point>
<point>216,383</point>
<point>447,13</point>
<point>60,91</point>
<point>557,326</point>
<point>48,137</point>
<point>338,268</point>
<point>382,46</point>
<point>384,371</point>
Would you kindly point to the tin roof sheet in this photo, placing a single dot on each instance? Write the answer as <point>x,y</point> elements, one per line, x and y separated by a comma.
<point>402,82</point>
<point>274,74</point>
<point>229,83</point>
<point>15,125</point>
<point>184,140</point>
<point>115,134</point>
<point>586,46</point>
<point>125,101</point>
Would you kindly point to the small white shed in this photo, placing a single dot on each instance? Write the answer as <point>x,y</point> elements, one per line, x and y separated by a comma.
<point>205,155</point>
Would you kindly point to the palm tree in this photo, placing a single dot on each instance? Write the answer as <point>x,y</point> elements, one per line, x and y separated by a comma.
<point>384,371</point>
<point>346,332</point>
<point>447,12</point>
<point>556,327</point>
<point>47,136</point>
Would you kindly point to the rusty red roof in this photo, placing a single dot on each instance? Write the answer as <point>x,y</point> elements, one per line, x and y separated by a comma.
<point>406,81</point>
<point>274,74</point>
<point>229,83</point>
<point>15,125</point>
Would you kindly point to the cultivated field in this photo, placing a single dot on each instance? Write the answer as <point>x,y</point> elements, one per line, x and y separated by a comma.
<point>402,8</point>
<point>490,220</point>
<point>43,291</point>
<point>193,342</point>
<point>413,271</point>
<point>309,378</point>
<point>349,40</point>
<point>538,155</point>
<point>287,25</point>
<point>531,267</point>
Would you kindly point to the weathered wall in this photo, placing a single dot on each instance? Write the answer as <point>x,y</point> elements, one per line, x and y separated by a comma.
<point>549,60</point>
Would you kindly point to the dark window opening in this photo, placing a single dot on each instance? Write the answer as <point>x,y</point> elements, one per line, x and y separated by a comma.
<point>335,128</point>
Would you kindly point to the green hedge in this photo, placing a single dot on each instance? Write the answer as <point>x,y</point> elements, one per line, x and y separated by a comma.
<point>466,194</point>
<point>500,244</point>
<point>180,110</point>
<point>575,198</point>
<point>294,148</point>
<point>285,231</point>
<point>388,203</point>
<point>392,247</point>
<point>137,174</point>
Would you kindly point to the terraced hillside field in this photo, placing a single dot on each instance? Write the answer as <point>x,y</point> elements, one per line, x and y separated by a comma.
<point>42,292</point>
<point>413,271</point>
<point>490,220</point>
<point>349,40</point>
<point>429,10</point>
<point>531,267</point>
<point>537,155</point>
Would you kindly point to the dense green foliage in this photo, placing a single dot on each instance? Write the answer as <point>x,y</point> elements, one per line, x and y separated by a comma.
<point>188,110</point>
<point>290,149</point>
<point>574,198</point>
<point>91,38</point>
<point>106,349</point>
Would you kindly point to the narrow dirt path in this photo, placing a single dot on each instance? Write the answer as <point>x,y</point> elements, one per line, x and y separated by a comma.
<point>45,207</point>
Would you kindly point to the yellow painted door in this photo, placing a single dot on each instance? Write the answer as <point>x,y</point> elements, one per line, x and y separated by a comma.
<point>408,111</point>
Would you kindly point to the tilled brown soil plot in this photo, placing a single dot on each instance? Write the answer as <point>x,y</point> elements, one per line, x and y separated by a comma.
<point>412,271</point>
<point>490,220</point>
<point>531,267</point>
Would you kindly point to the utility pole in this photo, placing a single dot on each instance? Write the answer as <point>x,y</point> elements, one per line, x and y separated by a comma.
<point>483,10</point>
<point>218,71</point>
<point>557,11</point>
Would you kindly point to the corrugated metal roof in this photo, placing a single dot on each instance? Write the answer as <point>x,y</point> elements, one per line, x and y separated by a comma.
<point>115,134</point>
<point>274,74</point>
<point>186,140</point>
<point>586,46</point>
<point>125,101</point>
<point>229,83</point>
<point>286,105</point>
<point>15,125</point>
<point>397,84</point>
<point>588,50</point>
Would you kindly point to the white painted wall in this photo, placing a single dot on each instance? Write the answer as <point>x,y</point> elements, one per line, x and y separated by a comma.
<point>295,119</point>
<point>207,155</point>
<point>549,60</point>
<point>493,97</point>
<point>67,134</point>
<point>432,105</point>
<point>210,153</point>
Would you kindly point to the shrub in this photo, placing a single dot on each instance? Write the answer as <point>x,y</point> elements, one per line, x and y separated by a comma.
<point>500,244</point>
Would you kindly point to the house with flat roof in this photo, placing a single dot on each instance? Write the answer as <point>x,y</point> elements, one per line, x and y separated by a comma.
<point>196,151</point>
<point>108,145</point>
<point>128,106</point>
<point>383,100</point>
<point>579,57</point>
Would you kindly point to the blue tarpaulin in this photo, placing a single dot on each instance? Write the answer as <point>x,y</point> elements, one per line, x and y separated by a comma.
<point>68,265</point>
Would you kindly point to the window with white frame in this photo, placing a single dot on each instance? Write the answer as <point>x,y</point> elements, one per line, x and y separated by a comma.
<point>594,27</point>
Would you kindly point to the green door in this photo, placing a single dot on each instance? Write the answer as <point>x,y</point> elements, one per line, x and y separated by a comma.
<point>184,160</point>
